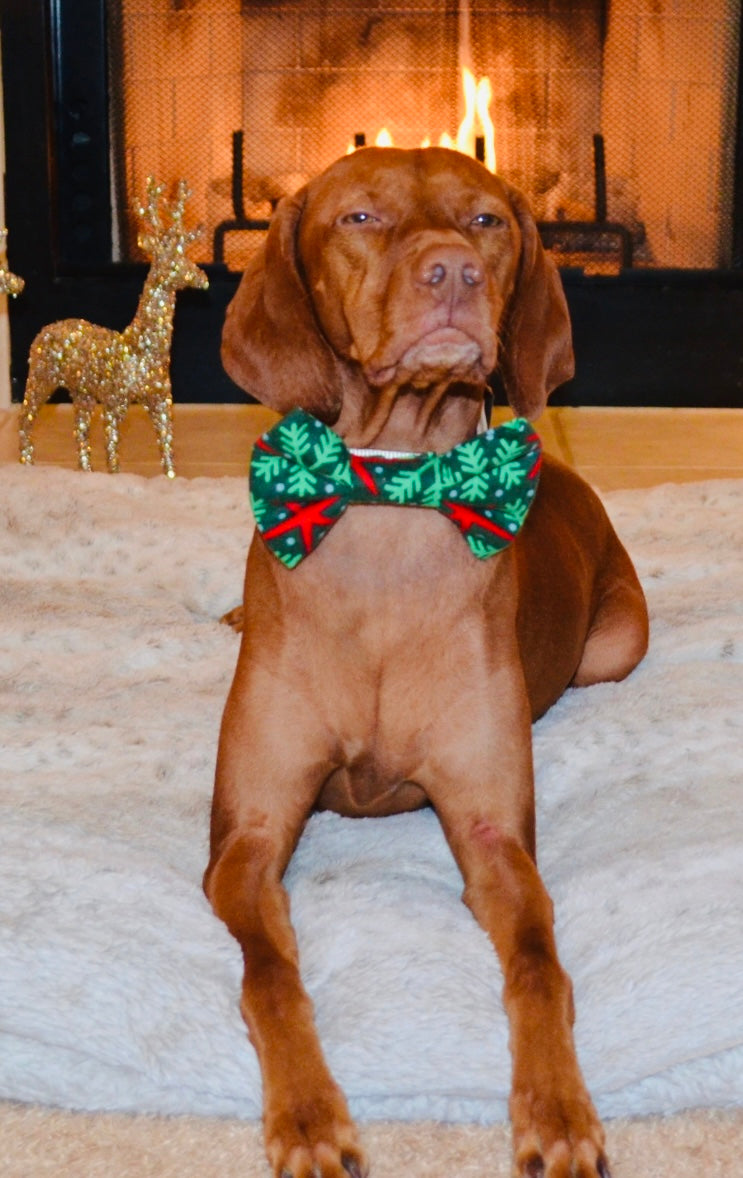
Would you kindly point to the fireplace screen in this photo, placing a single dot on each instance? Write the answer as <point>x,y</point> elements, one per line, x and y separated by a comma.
<point>615,117</point>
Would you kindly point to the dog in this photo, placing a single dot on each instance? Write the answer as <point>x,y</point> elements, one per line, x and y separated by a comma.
<point>397,656</point>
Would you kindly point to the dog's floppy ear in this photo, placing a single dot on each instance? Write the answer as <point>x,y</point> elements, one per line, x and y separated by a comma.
<point>537,348</point>
<point>272,345</point>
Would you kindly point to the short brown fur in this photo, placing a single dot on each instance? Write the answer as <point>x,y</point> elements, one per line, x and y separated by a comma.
<point>392,669</point>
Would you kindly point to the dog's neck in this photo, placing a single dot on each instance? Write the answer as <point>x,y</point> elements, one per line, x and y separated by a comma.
<point>374,452</point>
<point>411,421</point>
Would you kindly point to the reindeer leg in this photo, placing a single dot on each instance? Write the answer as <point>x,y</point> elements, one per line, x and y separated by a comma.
<point>160,410</point>
<point>112,419</point>
<point>26,422</point>
<point>84,407</point>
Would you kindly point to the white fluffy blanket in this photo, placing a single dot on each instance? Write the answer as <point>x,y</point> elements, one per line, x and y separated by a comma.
<point>119,989</point>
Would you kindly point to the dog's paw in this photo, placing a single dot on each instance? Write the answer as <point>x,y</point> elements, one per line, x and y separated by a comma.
<point>315,1140</point>
<point>316,1166</point>
<point>234,618</point>
<point>557,1136</point>
<point>563,1161</point>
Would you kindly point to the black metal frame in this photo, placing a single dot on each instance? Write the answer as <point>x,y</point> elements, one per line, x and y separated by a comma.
<point>652,337</point>
<point>240,221</point>
<point>738,182</point>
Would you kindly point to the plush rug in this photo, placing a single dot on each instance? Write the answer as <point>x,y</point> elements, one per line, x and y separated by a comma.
<point>119,989</point>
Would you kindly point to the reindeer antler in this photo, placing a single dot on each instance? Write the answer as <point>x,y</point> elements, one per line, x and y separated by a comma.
<point>177,206</point>
<point>150,211</point>
<point>9,283</point>
<point>182,193</point>
<point>163,219</point>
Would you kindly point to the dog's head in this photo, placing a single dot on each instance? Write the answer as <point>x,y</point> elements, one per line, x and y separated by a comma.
<point>399,272</point>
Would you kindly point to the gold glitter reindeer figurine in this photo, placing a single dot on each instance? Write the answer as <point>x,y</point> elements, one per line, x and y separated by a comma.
<point>10,284</point>
<point>117,369</point>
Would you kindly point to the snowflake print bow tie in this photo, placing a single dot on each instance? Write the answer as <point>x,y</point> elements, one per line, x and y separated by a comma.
<point>303,477</point>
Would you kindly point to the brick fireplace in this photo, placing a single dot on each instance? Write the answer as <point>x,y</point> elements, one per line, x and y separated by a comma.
<point>620,119</point>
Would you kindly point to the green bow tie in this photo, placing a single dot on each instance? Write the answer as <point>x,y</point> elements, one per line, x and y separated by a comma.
<point>303,477</point>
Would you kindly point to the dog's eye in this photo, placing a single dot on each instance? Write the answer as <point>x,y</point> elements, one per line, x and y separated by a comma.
<point>358,218</point>
<point>487,220</point>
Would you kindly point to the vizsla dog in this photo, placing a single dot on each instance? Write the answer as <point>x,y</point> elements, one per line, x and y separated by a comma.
<point>397,655</point>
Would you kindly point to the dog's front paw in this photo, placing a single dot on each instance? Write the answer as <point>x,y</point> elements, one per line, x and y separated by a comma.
<point>315,1139</point>
<point>557,1134</point>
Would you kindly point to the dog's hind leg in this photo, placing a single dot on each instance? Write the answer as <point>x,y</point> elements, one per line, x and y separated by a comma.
<point>618,638</point>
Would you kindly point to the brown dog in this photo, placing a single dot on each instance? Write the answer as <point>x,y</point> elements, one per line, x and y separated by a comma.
<point>392,669</point>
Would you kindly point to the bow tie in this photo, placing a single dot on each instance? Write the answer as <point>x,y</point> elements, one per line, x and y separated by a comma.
<point>303,477</point>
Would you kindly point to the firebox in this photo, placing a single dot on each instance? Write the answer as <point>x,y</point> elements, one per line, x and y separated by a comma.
<point>532,84</point>
<point>619,119</point>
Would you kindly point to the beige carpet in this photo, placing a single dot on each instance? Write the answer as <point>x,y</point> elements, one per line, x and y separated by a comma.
<point>35,1143</point>
<point>186,594</point>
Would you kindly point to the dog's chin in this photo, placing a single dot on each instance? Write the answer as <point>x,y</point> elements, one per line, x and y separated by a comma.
<point>446,355</point>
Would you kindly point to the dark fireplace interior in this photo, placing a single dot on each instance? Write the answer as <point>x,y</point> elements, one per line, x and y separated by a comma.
<point>620,120</point>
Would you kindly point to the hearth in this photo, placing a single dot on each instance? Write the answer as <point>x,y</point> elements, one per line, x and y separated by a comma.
<point>620,119</point>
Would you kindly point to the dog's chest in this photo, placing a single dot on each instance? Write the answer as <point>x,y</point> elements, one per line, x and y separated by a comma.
<point>391,628</point>
<point>392,561</point>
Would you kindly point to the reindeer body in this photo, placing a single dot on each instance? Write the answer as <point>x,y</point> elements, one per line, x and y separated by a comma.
<point>116,369</point>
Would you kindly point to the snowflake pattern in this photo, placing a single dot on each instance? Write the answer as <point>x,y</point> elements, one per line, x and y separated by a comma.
<point>303,477</point>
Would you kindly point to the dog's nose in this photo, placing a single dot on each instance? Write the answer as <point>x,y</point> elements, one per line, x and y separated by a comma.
<point>448,268</point>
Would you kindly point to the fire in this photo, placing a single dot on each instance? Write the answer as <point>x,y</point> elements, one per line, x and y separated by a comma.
<point>477,96</point>
<point>476,129</point>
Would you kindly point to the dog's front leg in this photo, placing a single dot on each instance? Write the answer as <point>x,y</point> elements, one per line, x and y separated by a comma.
<point>486,810</point>
<point>260,804</point>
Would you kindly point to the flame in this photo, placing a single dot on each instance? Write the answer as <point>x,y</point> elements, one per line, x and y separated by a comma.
<point>466,132</point>
<point>383,139</point>
<point>477,98</point>
<point>483,96</point>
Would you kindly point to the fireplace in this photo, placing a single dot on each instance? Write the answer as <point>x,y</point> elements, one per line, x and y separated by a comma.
<point>620,119</point>
<point>302,80</point>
